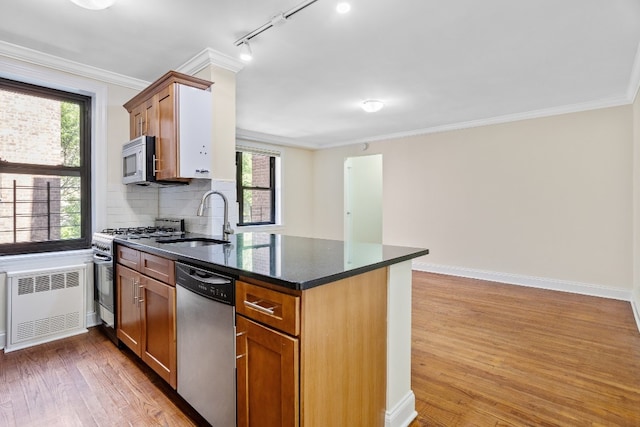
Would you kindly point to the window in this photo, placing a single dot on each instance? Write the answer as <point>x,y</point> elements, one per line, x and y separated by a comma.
<point>256,186</point>
<point>45,169</point>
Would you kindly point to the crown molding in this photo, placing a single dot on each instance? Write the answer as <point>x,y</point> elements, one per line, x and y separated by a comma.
<point>35,57</point>
<point>208,57</point>
<point>249,135</point>
<point>547,112</point>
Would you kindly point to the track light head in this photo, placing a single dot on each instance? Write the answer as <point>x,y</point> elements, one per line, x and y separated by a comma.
<point>245,53</point>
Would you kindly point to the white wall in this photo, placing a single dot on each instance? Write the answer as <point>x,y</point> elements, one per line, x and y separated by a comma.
<point>298,210</point>
<point>548,198</point>
<point>126,205</point>
<point>635,301</point>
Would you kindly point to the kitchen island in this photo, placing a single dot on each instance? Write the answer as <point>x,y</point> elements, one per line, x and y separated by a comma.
<point>351,335</point>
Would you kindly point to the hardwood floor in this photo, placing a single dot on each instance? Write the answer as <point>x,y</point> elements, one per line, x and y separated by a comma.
<point>484,354</point>
<point>85,381</point>
<point>488,354</point>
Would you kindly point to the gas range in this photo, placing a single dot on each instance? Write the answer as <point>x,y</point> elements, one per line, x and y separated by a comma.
<point>102,242</point>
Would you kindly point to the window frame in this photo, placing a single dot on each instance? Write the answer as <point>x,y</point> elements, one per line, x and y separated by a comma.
<point>272,187</point>
<point>83,171</point>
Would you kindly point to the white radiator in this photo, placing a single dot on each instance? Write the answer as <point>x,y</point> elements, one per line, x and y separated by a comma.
<point>45,305</point>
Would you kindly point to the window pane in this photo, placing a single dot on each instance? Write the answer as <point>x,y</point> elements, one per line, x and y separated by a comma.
<point>256,171</point>
<point>39,130</point>
<point>39,208</point>
<point>257,206</point>
<point>258,253</point>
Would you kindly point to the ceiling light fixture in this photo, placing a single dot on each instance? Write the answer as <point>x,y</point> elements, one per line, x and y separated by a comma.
<point>246,54</point>
<point>94,4</point>
<point>343,7</point>
<point>277,20</point>
<point>372,105</point>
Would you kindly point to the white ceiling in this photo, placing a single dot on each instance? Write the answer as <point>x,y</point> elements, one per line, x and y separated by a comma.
<point>436,64</point>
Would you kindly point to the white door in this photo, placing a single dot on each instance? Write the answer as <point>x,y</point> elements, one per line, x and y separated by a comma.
<point>363,199</point>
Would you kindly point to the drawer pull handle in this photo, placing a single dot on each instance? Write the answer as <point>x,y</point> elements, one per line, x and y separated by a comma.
<point>240,356</point>
<point>239,334</point>
<point>255,306</point>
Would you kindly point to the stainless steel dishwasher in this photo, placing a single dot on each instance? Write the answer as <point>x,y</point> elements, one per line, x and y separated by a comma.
<point>206,343</point>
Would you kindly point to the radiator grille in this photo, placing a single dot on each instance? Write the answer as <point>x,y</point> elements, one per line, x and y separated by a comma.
<point>25,285</point>
<point>45,305</point>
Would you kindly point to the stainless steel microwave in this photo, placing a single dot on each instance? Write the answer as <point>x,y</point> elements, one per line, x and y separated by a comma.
<point>138,161</point>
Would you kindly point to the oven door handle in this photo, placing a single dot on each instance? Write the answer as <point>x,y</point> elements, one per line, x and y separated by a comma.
<point>102,259</point>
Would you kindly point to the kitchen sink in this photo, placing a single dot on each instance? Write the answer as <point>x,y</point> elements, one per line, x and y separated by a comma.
<point>192,241</point>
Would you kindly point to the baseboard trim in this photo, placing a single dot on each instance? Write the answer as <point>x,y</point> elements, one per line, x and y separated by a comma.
<point>635,306</point>
<point>530,281</point>
<point>403,413</point>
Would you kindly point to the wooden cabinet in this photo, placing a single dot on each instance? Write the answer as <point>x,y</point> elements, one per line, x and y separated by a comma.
<point>312,358</point>
<point>128,257</point>
<point>177,110</point>
<point>158,342</point>
<point>267,376</point>
<point>267,361</point>
<point>129,323</point>
<point>142,119</point>
<point>146,309</point>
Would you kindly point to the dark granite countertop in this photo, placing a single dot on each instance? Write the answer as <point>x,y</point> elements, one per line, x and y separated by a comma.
<point>294,262</point>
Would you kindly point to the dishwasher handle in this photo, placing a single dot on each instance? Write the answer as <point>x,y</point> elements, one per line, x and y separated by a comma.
<point>210,279</point>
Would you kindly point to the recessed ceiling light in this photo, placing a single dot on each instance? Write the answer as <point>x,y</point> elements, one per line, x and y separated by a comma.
<point>94,4</point>
<point>343,7</point>
<point>372,105</point>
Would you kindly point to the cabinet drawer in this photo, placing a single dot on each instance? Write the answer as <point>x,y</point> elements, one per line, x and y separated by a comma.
<point>158,267</point>
<point>278,310</point>
<point>128,257</point>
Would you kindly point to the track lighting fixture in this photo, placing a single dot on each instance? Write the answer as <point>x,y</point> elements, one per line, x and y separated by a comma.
<point>277,20</point>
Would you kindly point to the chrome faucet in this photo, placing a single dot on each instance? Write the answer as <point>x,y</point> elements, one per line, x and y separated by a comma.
<point>226,227</point>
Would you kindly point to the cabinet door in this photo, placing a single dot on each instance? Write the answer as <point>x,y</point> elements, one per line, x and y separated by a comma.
<point>127,290</point>
<point>267,376</point>
<point>141,120</point>
<point>136,122</point>
<point>158,343</point>
<point>166,134</point>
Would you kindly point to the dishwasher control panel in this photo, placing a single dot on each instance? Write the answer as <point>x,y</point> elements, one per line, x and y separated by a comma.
<point>206,283</point>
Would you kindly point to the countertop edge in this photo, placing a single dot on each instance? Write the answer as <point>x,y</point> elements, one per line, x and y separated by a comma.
<point>297,285</point>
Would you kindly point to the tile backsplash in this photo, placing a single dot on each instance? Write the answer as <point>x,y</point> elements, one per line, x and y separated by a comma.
<point>132,206</point>
<point>183,202</point>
